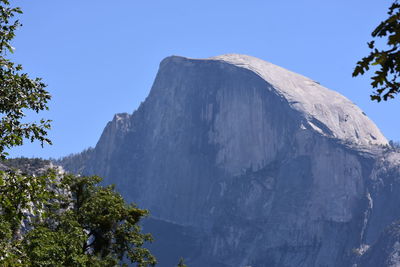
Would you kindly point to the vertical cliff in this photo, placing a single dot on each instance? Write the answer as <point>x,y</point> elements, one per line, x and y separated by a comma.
<point>249,165</point>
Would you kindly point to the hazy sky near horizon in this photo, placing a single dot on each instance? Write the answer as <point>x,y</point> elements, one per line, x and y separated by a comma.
<point>100,57</point>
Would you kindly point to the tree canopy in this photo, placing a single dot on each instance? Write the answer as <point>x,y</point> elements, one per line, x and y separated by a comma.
<point>63,220</point>
<point>385,80</point>
<point>50,218</point>
<point>18,92</point>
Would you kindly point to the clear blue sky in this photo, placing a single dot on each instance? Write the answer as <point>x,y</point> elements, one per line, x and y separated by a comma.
<point>100,57</point>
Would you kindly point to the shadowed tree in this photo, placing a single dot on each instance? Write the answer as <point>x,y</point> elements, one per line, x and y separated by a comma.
<point>181,263</point>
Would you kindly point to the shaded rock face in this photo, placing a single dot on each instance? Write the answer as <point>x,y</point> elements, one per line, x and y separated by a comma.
<point>233,150</point>
<point>385,251</point>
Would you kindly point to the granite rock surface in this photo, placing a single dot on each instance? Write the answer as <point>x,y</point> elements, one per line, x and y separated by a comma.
<point>244,163</point>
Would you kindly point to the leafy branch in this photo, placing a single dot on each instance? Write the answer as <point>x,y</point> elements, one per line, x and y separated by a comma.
<point>385,80</point>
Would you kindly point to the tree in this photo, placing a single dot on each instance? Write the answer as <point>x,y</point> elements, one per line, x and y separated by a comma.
<point>21,197</point>
<point>181,263</point>
<point>18,92</point>
<point>55,219</point>
<point>84,224</point>
<point>386,79</point>
<point>65,220</point>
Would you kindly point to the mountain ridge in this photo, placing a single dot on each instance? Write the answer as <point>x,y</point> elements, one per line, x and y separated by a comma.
<point>310,98</point>
<point>226,149</point>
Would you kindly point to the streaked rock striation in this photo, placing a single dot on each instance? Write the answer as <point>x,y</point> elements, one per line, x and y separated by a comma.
<point>249,164</point>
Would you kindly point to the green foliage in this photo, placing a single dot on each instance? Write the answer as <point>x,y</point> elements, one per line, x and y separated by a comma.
<point>385,81</point>
<point>54,219</point>
<point>112,224</point>
<point>68,221</point>
<point>18,92</point>
<point>21,198</point>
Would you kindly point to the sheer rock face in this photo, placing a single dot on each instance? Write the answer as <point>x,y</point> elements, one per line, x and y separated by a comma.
<point>385,251</point>
<point>264,166</point>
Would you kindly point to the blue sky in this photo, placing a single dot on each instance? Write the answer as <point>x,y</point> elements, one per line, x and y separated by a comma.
<point>100,57</point>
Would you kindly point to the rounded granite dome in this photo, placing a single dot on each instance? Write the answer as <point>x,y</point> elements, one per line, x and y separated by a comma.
<point>326,111</point>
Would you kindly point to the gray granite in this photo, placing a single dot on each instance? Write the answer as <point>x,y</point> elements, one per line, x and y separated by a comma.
<point>261,166</point>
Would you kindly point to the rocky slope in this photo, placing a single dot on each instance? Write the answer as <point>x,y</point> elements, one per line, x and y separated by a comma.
<point>28,166</point>
<point>244,163</point>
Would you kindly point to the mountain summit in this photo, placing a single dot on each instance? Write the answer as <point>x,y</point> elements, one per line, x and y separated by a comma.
<point>324,110</point>
<point>244,163</point>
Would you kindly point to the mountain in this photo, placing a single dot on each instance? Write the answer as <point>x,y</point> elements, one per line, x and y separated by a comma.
<point>244,163</point>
